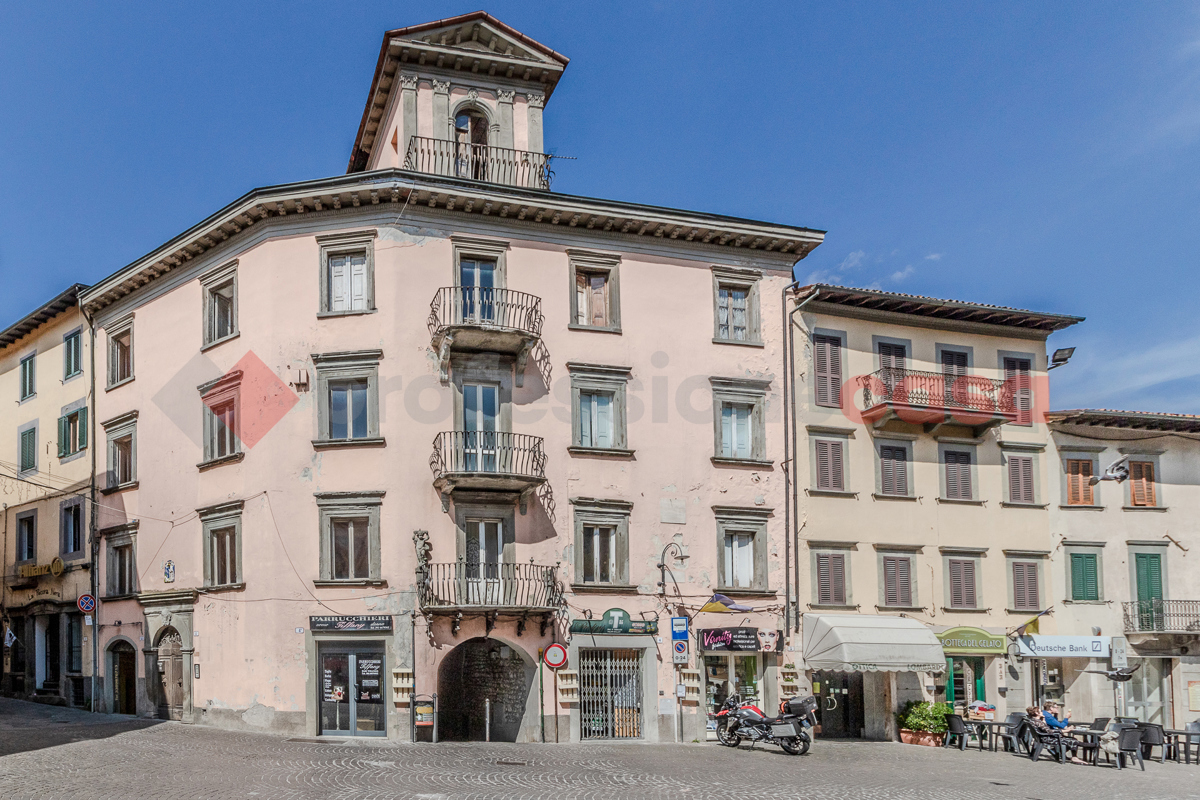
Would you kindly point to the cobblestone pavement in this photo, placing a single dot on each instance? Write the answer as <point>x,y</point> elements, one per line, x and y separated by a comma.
<point>59,753</point>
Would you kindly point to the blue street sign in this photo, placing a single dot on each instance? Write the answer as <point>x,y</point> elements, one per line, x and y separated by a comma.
<point>679,628</point>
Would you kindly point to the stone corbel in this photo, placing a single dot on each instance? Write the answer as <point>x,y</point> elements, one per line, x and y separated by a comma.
<point>522,357</point>
<point>444,357</point>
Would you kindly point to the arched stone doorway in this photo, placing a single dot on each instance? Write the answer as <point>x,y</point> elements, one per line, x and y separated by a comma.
<point>479,670</point>
<point>170,674</point>
<point>123,669</point>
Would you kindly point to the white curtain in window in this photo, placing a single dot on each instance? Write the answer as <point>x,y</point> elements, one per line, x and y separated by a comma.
<point>735,431</point>
<point>739,559</point>
<point>595,419</point>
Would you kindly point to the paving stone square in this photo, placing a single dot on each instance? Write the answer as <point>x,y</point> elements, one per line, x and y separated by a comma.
<point>50,752</point>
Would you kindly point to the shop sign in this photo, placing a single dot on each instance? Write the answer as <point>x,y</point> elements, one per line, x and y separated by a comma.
<point>369,670</point>
<point>365,622</point>
<point>972,641</point>
<point>615,620</point>
<point>424,712</point>
<point>55,568</point>
<point>739,640</point>
<point>1038,646</point>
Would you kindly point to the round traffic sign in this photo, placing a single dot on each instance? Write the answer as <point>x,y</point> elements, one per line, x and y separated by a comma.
<point>681,647</point>
<point>555,656</point>
<point>86,603</point>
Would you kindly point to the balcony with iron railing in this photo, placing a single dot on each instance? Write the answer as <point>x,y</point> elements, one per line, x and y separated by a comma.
<point>478,162</point>
<point>484,319</point>
<point>487,461</point>
<point>934,399</point>
<point>1162,616</point>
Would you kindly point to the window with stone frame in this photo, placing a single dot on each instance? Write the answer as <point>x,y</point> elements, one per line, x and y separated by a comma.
<point>348,398</point>
<point>742,546</point>
<point>220,290</point>
<point>27,448</point>
<point>121,560</point>
<point>595,291</point>
<point>72,354</point>
<point>831,579</point>
<point>736,305</point>
<point>73,432</point>
<point>601,541</point>
<point>222,532</point>
<point>71,528</point>
<point>28,382</point>
<point>120,352</point>
<point>221,402</point>
<point>897,580</point>
<point>350,543</point>
<point>27,535</point>
<point>347,273</point>
<point>121,434</point>
<point>739,427</point>
<point>598,395</point>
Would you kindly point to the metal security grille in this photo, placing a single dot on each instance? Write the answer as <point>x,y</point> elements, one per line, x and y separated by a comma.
<point>610,694</point>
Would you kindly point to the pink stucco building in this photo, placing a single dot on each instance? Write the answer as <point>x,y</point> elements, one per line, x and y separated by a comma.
<point>393,433</point>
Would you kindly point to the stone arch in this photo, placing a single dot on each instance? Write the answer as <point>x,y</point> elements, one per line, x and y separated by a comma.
<point>488,667</point>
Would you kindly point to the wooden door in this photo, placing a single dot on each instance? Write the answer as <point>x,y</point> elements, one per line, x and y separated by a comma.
<point>170,671</point>
<point>124,680</point>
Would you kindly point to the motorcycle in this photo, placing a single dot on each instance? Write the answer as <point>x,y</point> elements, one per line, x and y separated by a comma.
<point>790,730</point>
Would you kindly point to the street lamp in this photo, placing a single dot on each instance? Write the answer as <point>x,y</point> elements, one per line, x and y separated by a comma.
<point>1061,357</point>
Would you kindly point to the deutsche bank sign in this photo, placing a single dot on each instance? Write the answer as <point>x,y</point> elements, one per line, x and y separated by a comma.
<point>1038,646</point>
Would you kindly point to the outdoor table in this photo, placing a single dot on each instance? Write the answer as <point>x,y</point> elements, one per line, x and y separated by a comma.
<point>1089,733</point>
<point>988,726</point>
<point>1184,738</point>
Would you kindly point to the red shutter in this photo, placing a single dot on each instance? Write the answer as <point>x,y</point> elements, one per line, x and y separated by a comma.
<point>827,355</point>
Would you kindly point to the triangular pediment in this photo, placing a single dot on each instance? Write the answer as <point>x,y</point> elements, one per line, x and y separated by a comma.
<point>477,34</point>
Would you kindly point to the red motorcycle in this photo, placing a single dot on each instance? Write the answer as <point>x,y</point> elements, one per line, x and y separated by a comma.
<point>790,730</point>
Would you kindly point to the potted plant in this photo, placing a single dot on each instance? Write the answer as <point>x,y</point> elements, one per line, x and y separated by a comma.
<point>923,723</point>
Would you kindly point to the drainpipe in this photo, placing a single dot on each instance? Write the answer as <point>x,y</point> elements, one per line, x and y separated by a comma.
<point>787,470</point>
<point>94,516</point>
<point>790,367</point>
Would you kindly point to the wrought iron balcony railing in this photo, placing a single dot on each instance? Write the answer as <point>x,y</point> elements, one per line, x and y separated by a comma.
<point>1162,616</point>
<point>488,453</point>
<point>494,309</point>
<point>480,162</point>
<point>489,586</point>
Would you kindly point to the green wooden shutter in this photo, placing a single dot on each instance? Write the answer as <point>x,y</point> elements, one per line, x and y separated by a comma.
<point>64,433</point>
<point>83,429</point>
<point>1149,576</point>
<point>1084,582</point>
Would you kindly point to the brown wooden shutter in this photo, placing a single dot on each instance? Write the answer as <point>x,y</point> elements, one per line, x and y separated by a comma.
<point>962,584</point>
<point>1079,488</point>
<point>824,592</point>
<point>1141,483</point>
<point>829,466</point>
<point>837,578</point>
<point>1017,375</point>
<point>958,475</point>
<point>1025,586</point>
<point>893,467</point>
<point>897,581</point>
<point>1020,479</point>
<point>891,356</point>
<point>827,355</point>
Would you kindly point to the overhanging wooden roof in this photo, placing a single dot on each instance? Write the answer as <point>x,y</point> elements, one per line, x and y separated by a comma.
<point>1132,420</point>
<point>919,305</point>
<point>31,322</point>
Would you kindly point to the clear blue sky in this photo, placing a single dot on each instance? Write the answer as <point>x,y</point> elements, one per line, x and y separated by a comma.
<point>1041,155</point>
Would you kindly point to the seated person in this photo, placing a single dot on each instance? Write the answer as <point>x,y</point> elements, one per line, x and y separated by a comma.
<point>1038,722</point>
<point>1051,713</point>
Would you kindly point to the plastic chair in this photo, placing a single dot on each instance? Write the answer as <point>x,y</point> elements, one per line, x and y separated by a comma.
<point>1153,736</point>
<point>1099,723</point>
<point>1009,735</point>
<point>1128,720</point>
<point>1129,743</point>
<point>955,727</point>
<point>1051,743</point>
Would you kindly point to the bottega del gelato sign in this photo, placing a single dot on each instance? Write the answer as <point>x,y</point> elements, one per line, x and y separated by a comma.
<point>972,641</point>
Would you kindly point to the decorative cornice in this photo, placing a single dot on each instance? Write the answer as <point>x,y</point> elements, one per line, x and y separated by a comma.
<point>529,207</point>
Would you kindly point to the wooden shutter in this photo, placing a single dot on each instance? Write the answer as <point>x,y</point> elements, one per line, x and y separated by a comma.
<point>83,428</point>
<point>1079,488</point>
<point>958,475</point>
<point>599,299</point>
<point>358,282</point>
<point>1141,483</point>
<point>64,433</point>
<point>954,363</point>
<point>1020,479</point>
<point>339,293</point>
<point>827,353</point>
<point>1025,585</point>
<point>1149,576</point>
<point>1017,375</point>
<point>829,465</point>
<point>962,583</point>
<point>28,449</point>
<point>831,579</point>
<point>1084,582</point>
<point>891,356</point>
<point>893,468</point>
<point>897,581</point>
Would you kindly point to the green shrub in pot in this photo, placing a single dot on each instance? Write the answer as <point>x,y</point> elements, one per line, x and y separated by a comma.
<point>923,716</point>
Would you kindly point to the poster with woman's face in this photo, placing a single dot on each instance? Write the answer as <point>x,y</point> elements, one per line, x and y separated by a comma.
<point>767,640</point>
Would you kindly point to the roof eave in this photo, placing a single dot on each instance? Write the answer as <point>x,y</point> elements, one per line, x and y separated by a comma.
<point>57,306</point>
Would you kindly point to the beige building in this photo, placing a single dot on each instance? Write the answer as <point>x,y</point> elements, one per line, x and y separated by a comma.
<point>45,484</point>
<point>1124,504</point>
<point>924,478</point>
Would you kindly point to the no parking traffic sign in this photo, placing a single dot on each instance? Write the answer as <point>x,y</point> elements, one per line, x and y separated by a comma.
<point>681,652</point>
<point>86,603</point>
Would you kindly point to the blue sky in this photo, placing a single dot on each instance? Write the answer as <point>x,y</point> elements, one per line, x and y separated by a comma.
<point>1040,155</point>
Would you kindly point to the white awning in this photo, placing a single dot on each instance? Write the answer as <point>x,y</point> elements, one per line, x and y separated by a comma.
<point>870,643</point>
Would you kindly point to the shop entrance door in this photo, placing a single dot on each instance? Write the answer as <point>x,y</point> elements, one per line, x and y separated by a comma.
<point>352,691</point>
<point>839,703</point>
<point>610,694</point>
<point>1148,691</point>
<point>964,680</point>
